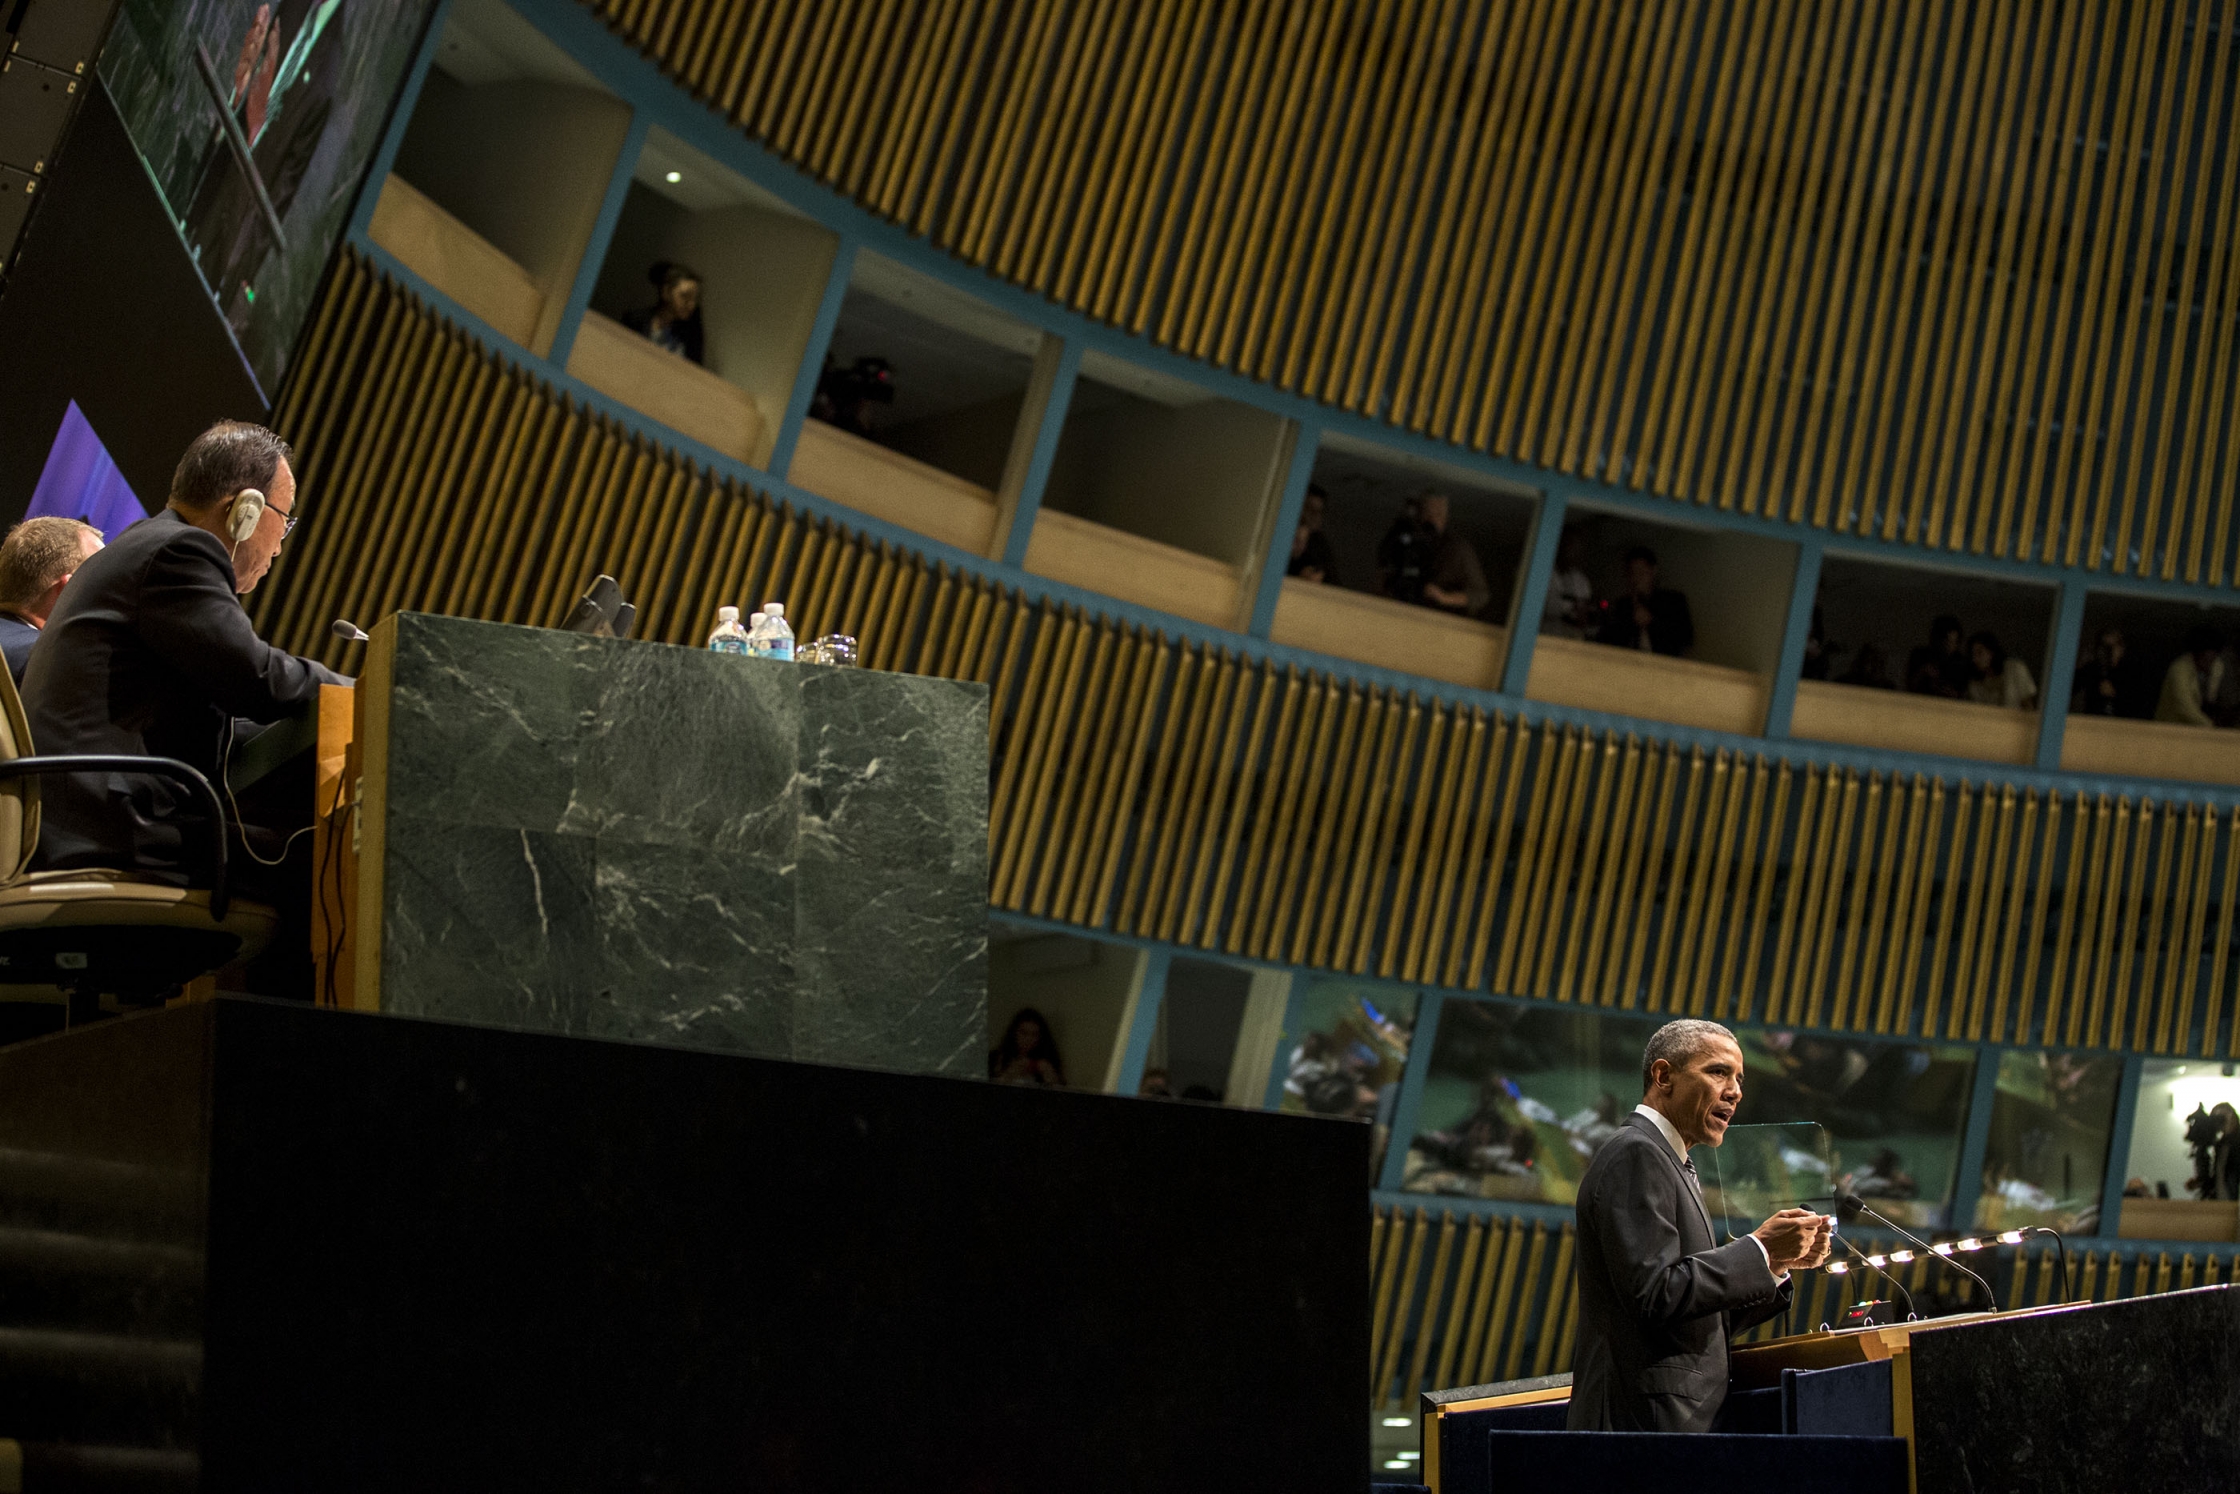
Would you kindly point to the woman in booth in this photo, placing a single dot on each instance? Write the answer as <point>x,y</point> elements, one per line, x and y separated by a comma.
<point>672,322</point>
<point>1028,1053</point>
<point>2000,678</point>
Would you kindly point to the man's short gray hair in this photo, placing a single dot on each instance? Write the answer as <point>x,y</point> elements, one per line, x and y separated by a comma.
<point>1677,1042</point>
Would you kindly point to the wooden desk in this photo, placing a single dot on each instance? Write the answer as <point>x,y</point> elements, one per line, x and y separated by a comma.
<point>334,860</point>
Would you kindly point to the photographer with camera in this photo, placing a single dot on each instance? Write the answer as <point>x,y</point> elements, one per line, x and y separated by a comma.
<point>2213,1136</point>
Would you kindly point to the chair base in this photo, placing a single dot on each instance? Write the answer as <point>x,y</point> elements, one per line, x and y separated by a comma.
<point>71,936</point>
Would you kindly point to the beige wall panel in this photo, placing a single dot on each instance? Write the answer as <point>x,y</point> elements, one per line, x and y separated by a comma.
<point>1128,566</point>
<point>2150,749</point>
<point>974,443</point>
<point>1390,635</point>
<point>2178,1219</point>
<point>456,260</point>
<point>1900,722</point>
<point>681,395</point>
<point>1196,477</point>
<point>1625,682</point>
<point>870,479</point>
<point>525,164</point>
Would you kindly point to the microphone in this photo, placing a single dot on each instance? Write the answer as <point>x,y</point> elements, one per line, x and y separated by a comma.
<point>346,630</point>
<point>1849,1206</point>
<point>1868,1262</point>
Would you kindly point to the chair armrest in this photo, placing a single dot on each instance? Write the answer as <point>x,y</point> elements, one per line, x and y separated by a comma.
<point>197,787</point>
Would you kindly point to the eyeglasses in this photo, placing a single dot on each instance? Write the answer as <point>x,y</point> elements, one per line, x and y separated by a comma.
<point>287,523</point>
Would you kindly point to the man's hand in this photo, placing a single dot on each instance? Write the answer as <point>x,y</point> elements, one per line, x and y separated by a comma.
<point>1795,1239</point>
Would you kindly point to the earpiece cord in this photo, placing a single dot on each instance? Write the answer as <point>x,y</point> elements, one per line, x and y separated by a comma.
<point>241,828</point>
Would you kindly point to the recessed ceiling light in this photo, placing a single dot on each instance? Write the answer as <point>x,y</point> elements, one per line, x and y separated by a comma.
<point>676,176</point>
<point>1395,1463</point>
<point>1398,1421</point>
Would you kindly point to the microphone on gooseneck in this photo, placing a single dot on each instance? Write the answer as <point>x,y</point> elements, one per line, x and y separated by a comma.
<point>346,630</point>
<point>1868,1261</point>
<point>1849,1206</point>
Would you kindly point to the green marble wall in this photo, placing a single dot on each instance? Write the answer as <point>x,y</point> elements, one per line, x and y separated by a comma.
<point>633,840</point>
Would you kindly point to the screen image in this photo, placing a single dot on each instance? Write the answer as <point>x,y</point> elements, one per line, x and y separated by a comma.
<point>255,122</point>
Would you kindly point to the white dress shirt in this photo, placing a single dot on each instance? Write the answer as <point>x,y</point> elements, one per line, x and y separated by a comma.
<point>1671,1135</point>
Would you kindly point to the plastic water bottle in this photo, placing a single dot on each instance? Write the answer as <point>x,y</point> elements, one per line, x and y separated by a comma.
<point>772,637</point>
<point>729,637</point>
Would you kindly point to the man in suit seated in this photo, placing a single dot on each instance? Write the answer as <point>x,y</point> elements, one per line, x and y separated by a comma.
<point>150,653</point>
<point>1658,1298</point>
<point>36,560</point>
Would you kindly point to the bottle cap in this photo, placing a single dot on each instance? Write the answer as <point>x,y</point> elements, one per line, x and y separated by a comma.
<point>727,614</point>
<point>775,609</point>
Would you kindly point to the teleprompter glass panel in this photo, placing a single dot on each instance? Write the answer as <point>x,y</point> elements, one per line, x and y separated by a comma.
<point>1517,1100</point>
<point>1757,1171</point>
<point>2048,1149</point>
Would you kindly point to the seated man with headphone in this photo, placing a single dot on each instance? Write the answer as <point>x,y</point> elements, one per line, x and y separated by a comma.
<point>150,653</point>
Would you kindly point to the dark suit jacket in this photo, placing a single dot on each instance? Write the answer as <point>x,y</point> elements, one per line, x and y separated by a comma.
<point>1672,627</point>
<point>16,638</point>
<point>148,653</point>
<point>1657,1298</point>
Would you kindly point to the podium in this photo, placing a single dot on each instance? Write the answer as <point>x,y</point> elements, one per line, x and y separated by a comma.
<point>2139,1394</point>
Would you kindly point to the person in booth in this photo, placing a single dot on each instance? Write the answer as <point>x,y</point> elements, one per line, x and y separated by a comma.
<point>672,322</point>
<point>150,653</point>
<point>1658,1299</point>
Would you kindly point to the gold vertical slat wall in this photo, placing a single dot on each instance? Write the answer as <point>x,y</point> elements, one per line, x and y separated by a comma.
<point>1466,1298</point>
<point>1952,274</point>
<point>1187,792</point>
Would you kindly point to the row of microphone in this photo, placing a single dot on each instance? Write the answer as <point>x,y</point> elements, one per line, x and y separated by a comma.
<point>1850,1206</point>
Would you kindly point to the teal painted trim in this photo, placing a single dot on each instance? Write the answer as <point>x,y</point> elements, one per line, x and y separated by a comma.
<point>1306,442</point>
<point>1455,1203</point>
<point>1975,1141</point>
<point>2061,673</point>
<point>1868,1236</point>
<point>1294,1018</point>
<point>1410,1101</point>
<point>1149,997</point>
<point>1804,595</point>
<point>2113,1177</point>
<point>812,357</point>
<point>602,233</point>
<point>1044,454</point>
<point>578,32</point>
<point>1254,651</point>
<point>1548,520</point>
<point>400,119</point>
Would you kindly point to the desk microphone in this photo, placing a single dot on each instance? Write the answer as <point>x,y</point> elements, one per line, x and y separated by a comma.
<point>346,630</point>
<point>1849,1206</point>
<point>1868,1261</point>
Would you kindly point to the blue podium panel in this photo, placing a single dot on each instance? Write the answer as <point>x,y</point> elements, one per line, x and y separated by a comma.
<point>1491,1461</point>
<point>1852,1400</point>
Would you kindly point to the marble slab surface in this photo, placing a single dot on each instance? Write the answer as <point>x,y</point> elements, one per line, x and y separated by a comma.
<point>2137,1395</point>
<point>632,840</point>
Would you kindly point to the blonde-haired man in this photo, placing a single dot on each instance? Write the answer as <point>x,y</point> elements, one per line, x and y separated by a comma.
<point>37,559</point>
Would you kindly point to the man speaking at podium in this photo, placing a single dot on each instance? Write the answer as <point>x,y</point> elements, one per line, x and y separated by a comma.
<point>1658,1299</point>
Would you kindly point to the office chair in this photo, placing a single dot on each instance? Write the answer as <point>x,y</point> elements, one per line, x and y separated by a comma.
<point>98,939</point>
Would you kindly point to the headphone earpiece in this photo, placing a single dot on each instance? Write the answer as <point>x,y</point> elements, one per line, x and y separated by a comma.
<point>248,508</point>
